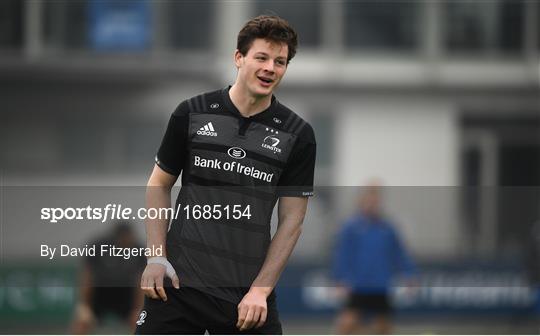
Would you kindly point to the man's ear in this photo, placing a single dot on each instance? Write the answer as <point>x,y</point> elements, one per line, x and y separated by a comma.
<point>238,58</point>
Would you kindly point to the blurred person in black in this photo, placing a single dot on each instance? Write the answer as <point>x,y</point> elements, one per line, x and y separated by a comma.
<point>369,254</point>
<point>108,285</point>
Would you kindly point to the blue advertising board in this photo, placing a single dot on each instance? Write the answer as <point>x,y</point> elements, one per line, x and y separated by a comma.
<point>442,288</point>
<point>119,25</point>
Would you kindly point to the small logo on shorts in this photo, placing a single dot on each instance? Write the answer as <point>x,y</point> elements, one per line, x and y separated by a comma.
<point>214,105</point>
<point>277,121</point>
<point>142,316</point>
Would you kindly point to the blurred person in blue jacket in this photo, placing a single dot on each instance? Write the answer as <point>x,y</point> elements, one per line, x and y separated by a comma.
<point>369,254</point>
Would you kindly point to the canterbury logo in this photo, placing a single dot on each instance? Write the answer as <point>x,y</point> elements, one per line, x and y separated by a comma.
<point>208,130</point>
<point>142,318</point>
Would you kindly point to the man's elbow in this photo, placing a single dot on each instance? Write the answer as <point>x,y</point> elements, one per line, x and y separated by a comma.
<point>153,188</point>
<point>160,179</point>
<point>159,182</point>
<point>156,183</point>
<point>296,217</point>
<point>297,230</point>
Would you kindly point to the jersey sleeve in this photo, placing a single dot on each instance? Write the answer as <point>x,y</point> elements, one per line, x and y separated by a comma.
<point>297,178</point>
<point>172,153</point>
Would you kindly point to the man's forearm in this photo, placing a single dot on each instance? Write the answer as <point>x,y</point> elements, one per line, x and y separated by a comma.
<point>156,229</point>
<point>86,288</point>
<point>279,252</point>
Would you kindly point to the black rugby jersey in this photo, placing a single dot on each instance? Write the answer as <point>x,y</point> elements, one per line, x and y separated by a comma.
<point>227,159</point>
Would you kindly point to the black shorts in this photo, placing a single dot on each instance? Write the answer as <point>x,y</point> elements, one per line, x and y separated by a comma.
<point>369,303</point>
<point>190,311</point>
<point>112,301</point>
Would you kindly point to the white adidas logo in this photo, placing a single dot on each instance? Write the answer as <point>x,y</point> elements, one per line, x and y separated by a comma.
<point>207,129</point>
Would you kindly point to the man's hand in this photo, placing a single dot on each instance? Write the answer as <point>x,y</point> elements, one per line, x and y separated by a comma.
<point>152,278</point>
<point>341,292</point>
<point>84,320</point>
<point>252,310</point>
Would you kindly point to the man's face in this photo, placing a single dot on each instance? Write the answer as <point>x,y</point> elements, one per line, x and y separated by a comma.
<point>370,203</point>
<point>262,68</point>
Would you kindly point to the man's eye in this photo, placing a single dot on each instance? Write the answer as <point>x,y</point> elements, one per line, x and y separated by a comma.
<point>260,58</point>
<point>280,62</point>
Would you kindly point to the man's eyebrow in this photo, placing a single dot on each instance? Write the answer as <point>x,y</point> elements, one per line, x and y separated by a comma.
<point>266,54</point>
<point>262,53</point>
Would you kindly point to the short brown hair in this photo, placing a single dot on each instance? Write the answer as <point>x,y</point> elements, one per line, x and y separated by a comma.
<point>268,27</point>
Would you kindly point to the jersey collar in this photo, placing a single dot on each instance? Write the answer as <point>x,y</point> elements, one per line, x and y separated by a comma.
<point>266,114</point>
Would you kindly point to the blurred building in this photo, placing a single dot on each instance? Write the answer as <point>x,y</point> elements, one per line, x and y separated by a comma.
<point>427,95</point>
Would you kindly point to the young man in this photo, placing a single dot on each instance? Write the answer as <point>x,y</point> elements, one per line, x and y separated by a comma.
<point>237,148</point>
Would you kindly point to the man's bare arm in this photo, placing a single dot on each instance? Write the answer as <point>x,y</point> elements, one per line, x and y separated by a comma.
<point>291,212</point>
<point>252,309</point>
<point>86,289</point>
<point>84,318</point>
<point>158,195</point>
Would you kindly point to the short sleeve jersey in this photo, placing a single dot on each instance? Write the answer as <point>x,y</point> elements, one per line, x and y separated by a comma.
<point>227,160</point>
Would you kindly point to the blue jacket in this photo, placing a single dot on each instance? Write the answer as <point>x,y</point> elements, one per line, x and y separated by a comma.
<point>369,253</point>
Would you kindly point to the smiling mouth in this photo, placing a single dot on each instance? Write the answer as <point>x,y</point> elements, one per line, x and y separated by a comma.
<point>265,80</point>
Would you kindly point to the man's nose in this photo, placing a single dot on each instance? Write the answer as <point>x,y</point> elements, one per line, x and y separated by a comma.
<point>269,66</point>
